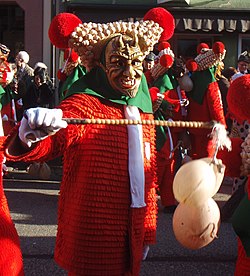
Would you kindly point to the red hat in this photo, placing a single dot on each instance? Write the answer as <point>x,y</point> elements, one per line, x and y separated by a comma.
<point>88,39</point>
<point>206,57</point>
<point>238,98</point>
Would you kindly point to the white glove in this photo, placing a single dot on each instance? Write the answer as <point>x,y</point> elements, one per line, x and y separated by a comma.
<point>39,123</point>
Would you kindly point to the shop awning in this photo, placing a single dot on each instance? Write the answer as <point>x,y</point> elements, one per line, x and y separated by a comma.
<point>210,24</point>
<point>111,2</point>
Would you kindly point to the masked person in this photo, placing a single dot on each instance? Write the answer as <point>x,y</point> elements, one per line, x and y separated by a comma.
<point>11,260</point>
<point>107,203</point>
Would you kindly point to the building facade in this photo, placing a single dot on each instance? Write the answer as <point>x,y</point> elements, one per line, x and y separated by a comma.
<point>24,24</point>
<point>196,21</point>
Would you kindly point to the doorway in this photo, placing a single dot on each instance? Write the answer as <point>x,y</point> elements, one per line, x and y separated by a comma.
<point>12,28</point>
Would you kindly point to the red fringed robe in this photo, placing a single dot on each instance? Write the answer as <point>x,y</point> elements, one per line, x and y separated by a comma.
<point>98,232</point>
<point>11,262</point>
<point>210,109</point>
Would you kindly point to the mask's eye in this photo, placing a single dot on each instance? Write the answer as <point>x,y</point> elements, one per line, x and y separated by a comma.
<point>117,61</point>
<point>136,62</point>
<point>4,51</point>
<point>120,63</point>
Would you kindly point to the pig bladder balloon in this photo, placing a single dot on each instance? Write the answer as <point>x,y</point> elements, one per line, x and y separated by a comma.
<point>198,180</point>
<point>195,227</point>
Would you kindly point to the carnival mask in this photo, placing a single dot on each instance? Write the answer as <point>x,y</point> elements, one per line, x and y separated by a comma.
<point>124,64</point>
<point>4,52</point>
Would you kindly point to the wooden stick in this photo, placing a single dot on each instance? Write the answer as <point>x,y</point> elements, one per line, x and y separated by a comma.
<point>186,124</point>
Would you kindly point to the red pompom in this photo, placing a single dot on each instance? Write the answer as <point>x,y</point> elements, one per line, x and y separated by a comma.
<point>201,46</point>
<point>218,47</point>
<point>61,27</point>
<point>238,98</point>
<point>191,65</point>
<point>61,76</point>
<point>163,45</point>
<point>164,18</point>
<point>166,61</point>
<point>71,55</point>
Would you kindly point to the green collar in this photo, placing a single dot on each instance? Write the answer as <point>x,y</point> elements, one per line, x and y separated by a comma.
<point>96,83</point>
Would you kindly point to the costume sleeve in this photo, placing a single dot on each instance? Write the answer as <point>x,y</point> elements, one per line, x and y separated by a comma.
<point>47,149</point>
<point>53,146</point>
<point>215,103</point>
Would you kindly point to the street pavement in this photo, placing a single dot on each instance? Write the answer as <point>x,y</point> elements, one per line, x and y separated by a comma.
<point>33,205</point>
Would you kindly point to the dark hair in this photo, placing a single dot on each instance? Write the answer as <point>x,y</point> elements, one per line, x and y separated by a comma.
<point>229,72</point>
<point>243,58</point>
<point>42,73</point>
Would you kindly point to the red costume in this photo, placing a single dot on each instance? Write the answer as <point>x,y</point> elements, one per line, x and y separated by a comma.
<point>205,102</point>
<point>106,235</point>
<point>210,109</point>
<point>11,262</point>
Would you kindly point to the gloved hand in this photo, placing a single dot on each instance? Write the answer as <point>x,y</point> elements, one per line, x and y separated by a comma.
<point>38,123</point>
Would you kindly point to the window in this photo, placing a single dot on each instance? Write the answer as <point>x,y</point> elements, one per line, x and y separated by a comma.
<point>185,45</point>
<point>244,44</point>
<point>12,28</point>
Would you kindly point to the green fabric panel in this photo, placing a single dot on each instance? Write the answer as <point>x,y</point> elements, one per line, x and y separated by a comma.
<point>6,95</point>
<point>2,92</point>
<point>163,83</point>
<point>161,135</point>
<point>78,72</point>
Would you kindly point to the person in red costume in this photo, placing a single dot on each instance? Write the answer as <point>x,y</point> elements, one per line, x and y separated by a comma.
<point>107,203</point>
<point>237,164</point>
<point>9,97</point>
<point>205,102</point>
<point>11,261</point>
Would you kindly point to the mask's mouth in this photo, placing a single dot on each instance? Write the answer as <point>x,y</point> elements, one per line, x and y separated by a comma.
<point>128,83</point>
